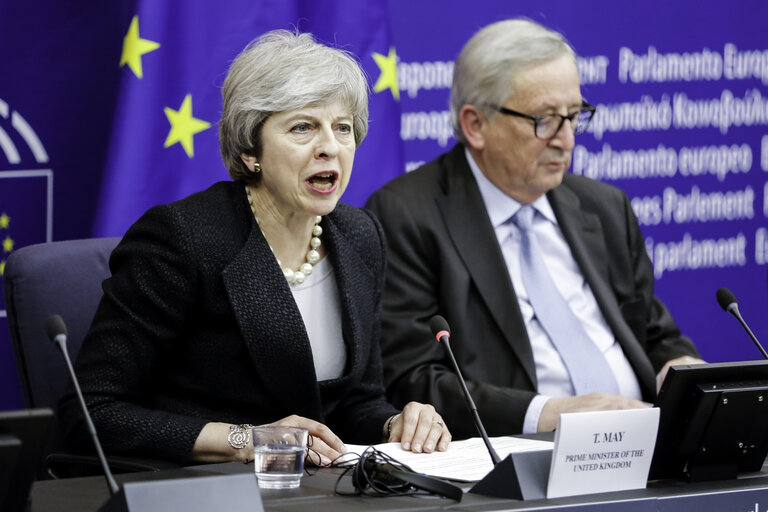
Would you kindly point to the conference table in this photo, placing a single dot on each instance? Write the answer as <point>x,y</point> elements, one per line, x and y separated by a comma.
<point>748,493</point>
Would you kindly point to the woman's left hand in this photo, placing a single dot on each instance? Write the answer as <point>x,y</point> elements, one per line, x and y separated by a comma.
<point>419,429</point>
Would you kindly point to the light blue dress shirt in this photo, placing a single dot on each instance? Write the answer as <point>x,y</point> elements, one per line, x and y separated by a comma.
<point>551,373</point>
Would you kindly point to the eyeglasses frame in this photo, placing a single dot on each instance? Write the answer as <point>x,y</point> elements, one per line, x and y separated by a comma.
<point>536,119</point>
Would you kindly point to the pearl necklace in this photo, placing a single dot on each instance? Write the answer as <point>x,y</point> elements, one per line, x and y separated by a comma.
<point>313,256</point>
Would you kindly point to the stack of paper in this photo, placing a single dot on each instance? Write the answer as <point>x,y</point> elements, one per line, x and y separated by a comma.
<point>466,461</point>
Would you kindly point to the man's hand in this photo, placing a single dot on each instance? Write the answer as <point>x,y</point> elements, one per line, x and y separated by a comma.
<point>591,402</point>
<point>672,362</point>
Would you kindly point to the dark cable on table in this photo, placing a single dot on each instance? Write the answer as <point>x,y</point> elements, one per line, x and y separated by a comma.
<point>377,474</point>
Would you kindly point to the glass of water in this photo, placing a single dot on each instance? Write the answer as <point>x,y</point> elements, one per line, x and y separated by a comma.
<point>278,455</point>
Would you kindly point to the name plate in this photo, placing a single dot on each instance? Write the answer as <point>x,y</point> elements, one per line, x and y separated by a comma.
<point>602,451</point>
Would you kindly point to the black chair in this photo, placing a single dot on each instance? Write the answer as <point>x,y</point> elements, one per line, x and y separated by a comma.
<point>57,278</point>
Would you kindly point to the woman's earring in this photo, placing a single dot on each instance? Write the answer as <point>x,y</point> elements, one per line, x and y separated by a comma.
<point>256,168</point>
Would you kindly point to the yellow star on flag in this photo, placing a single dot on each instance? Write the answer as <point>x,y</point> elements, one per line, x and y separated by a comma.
<point>388,77</point>
<point>8,244</point>
<point>4,221</point>
<point>184,126</point>
<point>134,47</point>
<point>2,267</point>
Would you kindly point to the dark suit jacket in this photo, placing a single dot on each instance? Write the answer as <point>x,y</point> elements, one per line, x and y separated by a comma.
<point>197,324</point>
<point>443,258</point>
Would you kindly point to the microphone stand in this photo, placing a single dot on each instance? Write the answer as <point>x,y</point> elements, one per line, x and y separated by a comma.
<point>470,403</point>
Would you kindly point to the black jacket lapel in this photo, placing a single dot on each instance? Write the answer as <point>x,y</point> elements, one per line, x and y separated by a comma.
<point>356,286</point>
<point>584,233</point>
<point>470,229</point>
<point>265,310</point>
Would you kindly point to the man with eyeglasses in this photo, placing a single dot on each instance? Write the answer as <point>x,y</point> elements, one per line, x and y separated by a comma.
<point>542,275</point>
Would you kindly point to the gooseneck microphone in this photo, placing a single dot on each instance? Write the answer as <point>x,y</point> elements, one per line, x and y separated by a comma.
<point>441,332</point>
<point>57,332</point>
<point>727,301</point>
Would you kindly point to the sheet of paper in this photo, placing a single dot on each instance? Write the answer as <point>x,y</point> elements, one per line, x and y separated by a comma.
<point>466,460</point>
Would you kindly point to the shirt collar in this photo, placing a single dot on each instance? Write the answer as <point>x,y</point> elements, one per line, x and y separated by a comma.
<point>499,205</point>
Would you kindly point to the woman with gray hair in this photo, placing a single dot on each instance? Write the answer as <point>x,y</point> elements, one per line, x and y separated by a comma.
<point>256,301</point>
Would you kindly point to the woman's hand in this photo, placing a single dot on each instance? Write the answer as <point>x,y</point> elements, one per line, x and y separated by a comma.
<point>419,428</point>
<point>323,446</point>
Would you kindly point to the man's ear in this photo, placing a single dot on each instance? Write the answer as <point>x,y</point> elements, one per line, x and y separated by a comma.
<point>472,121</point>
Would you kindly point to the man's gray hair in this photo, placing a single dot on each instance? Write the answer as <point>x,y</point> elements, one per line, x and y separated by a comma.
<point>491,59</point>
<point>281,71</point>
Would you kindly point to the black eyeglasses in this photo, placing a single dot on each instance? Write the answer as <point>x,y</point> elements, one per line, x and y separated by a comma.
<point>546,126</point>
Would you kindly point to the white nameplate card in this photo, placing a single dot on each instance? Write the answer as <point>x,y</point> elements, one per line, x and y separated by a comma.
<point>602,451</point>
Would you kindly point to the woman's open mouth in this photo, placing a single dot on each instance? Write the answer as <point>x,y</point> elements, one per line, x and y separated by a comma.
<point>323,182</point>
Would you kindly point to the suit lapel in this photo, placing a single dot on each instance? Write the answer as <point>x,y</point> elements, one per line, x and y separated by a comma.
<point>356,287</point>
<point>272,326</point>
<point>471,232</point>
<point>584,233</point>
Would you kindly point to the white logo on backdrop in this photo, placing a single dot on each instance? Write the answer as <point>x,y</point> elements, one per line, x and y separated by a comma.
<point>13,123</point>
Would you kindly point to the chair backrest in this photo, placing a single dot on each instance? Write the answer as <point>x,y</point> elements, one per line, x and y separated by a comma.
<point>58,278</point>
<point>52,278</point>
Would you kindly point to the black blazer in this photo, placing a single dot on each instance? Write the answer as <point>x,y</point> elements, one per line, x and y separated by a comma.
<point>197,324</point>
<point>443,258</point>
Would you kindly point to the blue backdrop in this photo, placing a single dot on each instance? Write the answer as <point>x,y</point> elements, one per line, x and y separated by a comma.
<point>107,108</point>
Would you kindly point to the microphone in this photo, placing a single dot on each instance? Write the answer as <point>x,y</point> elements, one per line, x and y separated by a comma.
<point>57,332</point>
<point>727,301</point>
<point>441,332</point>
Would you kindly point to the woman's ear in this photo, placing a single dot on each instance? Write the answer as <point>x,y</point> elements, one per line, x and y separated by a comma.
<point>248,160</point>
